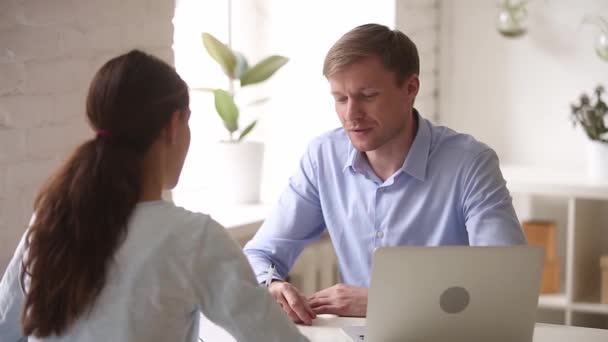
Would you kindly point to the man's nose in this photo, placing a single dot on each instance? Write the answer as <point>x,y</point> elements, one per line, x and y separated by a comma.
<point>353,110</point>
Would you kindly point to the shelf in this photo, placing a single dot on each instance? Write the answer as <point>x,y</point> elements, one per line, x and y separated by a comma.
<point>590,307</point>
<point>579,208</point>
<point>559,301</point>
<point>553,182</point>
<point>553,301</point>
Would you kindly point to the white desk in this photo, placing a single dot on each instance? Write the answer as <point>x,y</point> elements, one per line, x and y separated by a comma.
<point>327,328</point>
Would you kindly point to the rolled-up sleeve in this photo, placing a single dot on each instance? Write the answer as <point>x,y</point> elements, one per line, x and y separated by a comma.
<point>295,222</point>
<point>12,298</point>
<point>488,207</point>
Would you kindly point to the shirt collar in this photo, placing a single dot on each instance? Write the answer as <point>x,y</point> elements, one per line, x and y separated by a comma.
<point>417,158</point>
<point>352,155</point>
<point>416,161</point>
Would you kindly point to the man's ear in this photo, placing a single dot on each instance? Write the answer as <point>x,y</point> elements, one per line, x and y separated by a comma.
<point>171,128</point>
<point>412,85</point>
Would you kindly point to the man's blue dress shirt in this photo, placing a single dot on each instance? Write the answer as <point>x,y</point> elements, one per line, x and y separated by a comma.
<point>449,191</point>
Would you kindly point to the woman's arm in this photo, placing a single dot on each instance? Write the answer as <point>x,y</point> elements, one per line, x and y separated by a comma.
<point>231,297</point>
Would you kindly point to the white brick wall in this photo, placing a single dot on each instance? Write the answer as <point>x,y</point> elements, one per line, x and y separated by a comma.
<point>419,20</point>
<point>13,77</point>
<point>49,51</point>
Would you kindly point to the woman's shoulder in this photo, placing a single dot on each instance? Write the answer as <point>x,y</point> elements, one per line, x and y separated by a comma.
<point>163,217</point>
<point>166,230</point>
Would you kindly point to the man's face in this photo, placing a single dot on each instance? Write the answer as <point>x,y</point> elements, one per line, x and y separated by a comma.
<point>373,109</point>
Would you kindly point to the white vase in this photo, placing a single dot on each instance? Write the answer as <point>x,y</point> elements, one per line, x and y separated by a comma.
<point>238,172</point>
<point>597,161</point>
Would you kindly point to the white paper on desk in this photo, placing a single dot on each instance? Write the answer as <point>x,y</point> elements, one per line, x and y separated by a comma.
<point>356,333</point>
<point>211,332</point>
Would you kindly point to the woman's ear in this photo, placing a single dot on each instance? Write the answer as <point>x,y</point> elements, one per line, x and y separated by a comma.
<point>171,128</point>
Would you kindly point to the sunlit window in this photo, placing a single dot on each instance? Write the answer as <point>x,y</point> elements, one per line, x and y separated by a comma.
<point>300,107</point>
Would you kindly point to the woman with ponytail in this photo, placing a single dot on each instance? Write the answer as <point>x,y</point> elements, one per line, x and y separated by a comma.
<point>105,258</point>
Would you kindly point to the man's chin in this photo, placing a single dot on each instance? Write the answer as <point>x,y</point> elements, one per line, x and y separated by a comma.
<point>363,146</point>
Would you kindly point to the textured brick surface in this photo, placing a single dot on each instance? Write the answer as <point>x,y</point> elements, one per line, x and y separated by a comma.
<point>49,51</point>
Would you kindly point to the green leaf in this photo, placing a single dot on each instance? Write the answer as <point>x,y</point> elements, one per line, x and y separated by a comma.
<point>241,66</point>
<point>227,109</point>
<point>263,70</point>
<point>221,53</point>
<point>247,130</point>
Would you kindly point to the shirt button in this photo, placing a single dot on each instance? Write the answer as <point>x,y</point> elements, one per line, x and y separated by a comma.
<point>381,189</point>
<point>379,234</point>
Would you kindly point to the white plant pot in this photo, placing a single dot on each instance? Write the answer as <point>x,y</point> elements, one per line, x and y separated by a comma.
<point>597,161</point>
<point>238,172</point>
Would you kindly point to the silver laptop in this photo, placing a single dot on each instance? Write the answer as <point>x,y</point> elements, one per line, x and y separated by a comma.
<point>434,294</point>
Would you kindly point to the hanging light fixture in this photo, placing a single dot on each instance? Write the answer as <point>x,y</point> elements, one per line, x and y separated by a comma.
<point>601,40</point>
<point>511,19</point>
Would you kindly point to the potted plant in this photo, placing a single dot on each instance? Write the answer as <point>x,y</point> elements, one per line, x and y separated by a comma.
<point>238,161</point>
<point>591,115</point>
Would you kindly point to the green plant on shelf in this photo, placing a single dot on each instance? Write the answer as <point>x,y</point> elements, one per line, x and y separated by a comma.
<point>592,116</point>
<point>236,67</point>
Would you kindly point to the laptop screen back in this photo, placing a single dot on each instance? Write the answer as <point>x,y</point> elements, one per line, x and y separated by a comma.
<point>454,293</point>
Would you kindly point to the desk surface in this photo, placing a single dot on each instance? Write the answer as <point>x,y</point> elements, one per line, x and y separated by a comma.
<point>328,328</point>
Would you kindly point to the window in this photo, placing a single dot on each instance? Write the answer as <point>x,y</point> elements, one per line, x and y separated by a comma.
<point>300,107</point>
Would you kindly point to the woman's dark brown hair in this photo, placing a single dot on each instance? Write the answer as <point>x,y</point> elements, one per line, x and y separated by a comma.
<point>82,212</point>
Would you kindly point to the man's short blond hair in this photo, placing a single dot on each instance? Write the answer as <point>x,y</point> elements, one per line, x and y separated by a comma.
<point>396,51</point>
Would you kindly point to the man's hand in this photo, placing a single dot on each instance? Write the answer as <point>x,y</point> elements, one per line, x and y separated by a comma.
<point>292,302</point>
<point>341,300</point>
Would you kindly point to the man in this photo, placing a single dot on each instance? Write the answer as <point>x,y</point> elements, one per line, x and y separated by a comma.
<point>388,177</point>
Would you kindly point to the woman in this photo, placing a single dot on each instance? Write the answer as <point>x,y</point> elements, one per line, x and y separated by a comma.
<point>105,258</point>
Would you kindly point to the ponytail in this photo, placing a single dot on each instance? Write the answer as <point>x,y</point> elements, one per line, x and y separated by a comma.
<point>81,219</point>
